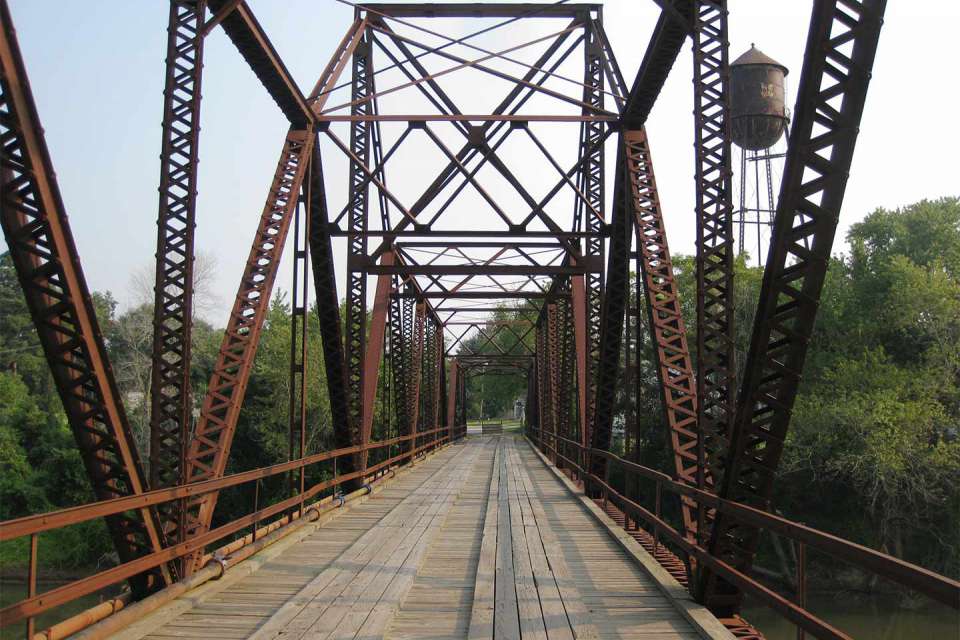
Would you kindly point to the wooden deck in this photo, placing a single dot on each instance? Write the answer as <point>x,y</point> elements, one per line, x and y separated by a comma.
<point>480,540</point>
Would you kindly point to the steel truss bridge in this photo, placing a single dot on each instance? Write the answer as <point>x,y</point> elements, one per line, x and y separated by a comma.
<point>436,259</point>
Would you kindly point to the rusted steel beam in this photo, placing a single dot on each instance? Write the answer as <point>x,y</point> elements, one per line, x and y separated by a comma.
<point>210,446</point>
<point>482,10</point>
<point>328,304</point>
<point>671,353</point>
<point>468,117</point>
<point>611,318</point>
<point>841,47</point>
<point>358,206</point>
<point>453,380</point>
<point>478,270</point>
<point>373,352</point>
<point>45,257</point>
<point>662,51</point>
<point>171,402</point>
<point>251,40</point>
<point>716,364</point>
<point>590,216</point>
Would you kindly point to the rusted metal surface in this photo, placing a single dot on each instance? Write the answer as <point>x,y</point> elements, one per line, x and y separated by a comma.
<point>171,402</point>
<point>669,333</point>
<point>716,363</point>
<point>210,446</point>
<point>45,257</point>
<point>840,51</point>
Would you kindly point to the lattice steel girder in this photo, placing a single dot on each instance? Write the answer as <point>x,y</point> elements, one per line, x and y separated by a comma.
<point>671,353</point>
<point>41,245</point>
<point>210,446</point>
<point>170,395</point>
<point>252,42</point>
<point>592,216</point>
<point>841,47</point>
<point>358,206</point>
<point>716,365</point>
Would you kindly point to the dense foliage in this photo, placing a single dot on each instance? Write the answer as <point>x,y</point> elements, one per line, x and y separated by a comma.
<point>874,445</point>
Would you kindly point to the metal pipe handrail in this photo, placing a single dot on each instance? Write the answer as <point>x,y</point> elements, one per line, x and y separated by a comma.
<point>32,525</point>
<point>39,523</point>
<point>929,583</point>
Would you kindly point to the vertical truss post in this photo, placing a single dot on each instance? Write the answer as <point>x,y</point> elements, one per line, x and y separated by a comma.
<point>297,407</point>
<point>416,368</point>
<point>567,359</point>
<point>439,376</point>
<point>716,386</point>
<point>171,406</point>
<point>358,208</point>
<point>210,446</point>
<point>452,387</point>
<point>614,303</point>
<point>671,353</point>
<point>578,302</point>
<point>553,373</point>
<point>592,212</point>
<point>45,257</point>
<point>400,331</point>
<point>428,369</point>
<point>837,64</point>
<point>374,353</point>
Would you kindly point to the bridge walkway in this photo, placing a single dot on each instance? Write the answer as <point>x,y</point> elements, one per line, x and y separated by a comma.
<point>480,540</point>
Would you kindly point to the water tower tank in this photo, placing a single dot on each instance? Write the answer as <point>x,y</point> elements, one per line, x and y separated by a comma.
<point>758,115</point>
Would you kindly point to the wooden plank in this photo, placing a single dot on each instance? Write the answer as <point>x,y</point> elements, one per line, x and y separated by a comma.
<point>506,615</point>
<point>528,598</point>
<point>482,614</point>
<point>316,597</point>
<point>406,557</point>
<point>399,581</point>
<point>554,614</point>
<point>577,614</point>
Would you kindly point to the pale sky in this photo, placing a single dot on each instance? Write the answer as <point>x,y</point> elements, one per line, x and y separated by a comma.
<point>96,69</point>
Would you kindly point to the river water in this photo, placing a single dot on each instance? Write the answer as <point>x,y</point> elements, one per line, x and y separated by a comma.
<point>874,617</point>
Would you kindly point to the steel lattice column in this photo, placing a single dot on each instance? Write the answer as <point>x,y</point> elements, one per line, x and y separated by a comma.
<point>716,386</point>
<point>671,353</point>
<point>401,329</point>
<point>591,184</point>
<point>45,257</point>
<point>171,406</point>
<point>358,208</point>
<point>210,446</point>
<point>841,47</point>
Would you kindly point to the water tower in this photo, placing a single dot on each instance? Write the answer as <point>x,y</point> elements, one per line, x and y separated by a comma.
<point>758,122</point>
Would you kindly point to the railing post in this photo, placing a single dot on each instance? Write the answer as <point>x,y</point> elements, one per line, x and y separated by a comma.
<point>256,508</point>
<point>656,526</point>
<point>801,584</point>
<point>32,580</point>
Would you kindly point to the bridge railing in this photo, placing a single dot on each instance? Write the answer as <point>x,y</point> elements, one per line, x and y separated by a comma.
<point>579,460</point>
<point>285,511</point>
